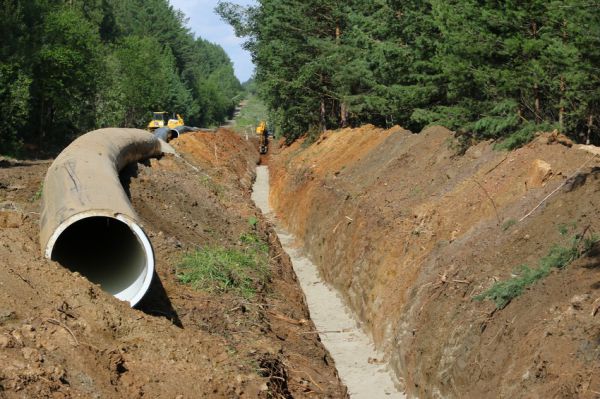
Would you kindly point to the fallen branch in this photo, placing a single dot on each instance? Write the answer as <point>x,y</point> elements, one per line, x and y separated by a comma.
<point>21,277</point>
<point>491,200</point>
<point>462,281</point>
<point>304,372</point>
<point>498,164</point>
<point>275,257</point>
<point>326,331</point>
<point>58,323</point>
<point>595,307</point>
<point>287,319</point>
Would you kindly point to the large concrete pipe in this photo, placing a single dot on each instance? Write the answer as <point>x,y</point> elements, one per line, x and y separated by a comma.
<point>88,224</point>
<point>166,134</point>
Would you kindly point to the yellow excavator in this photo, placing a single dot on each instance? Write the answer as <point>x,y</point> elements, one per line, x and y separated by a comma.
<point>263,134</point>
<point>160,117</point>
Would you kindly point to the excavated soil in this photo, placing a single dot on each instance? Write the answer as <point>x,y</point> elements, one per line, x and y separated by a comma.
<point>62,337</point>
<point>410,233</point>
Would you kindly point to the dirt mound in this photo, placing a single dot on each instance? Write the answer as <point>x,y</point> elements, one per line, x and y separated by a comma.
<point>410,234</point>
<point>61,336</point>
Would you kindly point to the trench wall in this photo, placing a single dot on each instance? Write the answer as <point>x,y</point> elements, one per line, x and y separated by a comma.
<point>410,233</point>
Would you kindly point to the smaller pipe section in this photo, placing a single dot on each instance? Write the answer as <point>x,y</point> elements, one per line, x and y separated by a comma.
<point>87,223</point>
<point>166,134</point>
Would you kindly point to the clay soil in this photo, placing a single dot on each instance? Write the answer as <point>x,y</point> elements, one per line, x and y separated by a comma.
<point>62,337</point>
<point>410,233</point>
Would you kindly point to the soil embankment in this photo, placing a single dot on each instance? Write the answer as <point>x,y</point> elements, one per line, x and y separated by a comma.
<point>360,366</point>
<point>61,336</point>
<point>410,233</point>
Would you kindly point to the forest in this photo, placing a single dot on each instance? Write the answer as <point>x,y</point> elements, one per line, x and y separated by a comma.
<point>70,66</point>
<point>487,69</point>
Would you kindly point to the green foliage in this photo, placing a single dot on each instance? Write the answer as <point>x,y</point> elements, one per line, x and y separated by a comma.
<point>522,136</point>
<point>242,272</point>
<point>508,224</point>
<point>558,257</point>
<point>64,75</point>
<point>250,115</point>
<point>505,291</point>
<point>14,104</point>
<point>213,186</point>
<point>38,193</point>
<point>487,70</point>
<point>252,222</point>
<point>67,67</point>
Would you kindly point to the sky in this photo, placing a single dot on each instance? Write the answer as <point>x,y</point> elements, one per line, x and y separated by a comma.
<point>206,24</point>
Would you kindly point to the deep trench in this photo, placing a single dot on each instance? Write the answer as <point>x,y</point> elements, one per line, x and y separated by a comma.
<point>359,365</point>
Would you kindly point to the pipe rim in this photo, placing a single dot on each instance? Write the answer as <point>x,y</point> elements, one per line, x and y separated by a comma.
<point>135,229</point>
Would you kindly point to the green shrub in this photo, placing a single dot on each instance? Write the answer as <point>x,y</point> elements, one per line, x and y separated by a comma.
<point>508,224</point>
<point>216,269</point>
<point>38,193</point>
<point>252,222</point>
<point>523,136</point>
<point>502,292</point>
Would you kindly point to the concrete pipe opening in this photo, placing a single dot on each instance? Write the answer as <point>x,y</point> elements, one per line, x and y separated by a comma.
<point>87,222</point>
<point>113,252</point>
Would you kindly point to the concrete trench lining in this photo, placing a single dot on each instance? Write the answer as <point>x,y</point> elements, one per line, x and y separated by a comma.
<point>88,223</point>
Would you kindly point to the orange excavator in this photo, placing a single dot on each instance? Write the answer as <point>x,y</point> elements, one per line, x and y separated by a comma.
<point>263,134</point>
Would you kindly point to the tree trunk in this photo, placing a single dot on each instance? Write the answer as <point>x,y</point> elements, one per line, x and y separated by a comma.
<point>589,129</point>
<point>536,93</point>
<point>561,110</point>
<point>343,107</point>
<point>343,114</point>
<point>538,108</point>
<point>323,126</point>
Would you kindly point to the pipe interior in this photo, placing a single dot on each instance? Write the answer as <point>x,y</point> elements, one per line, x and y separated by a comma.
<point>107,252</point>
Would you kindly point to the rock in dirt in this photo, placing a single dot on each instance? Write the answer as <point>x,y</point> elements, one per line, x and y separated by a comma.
<point>539,172</point>
<point>11,219</point>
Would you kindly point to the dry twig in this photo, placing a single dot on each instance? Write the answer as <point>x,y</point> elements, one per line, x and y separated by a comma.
<point>21,277</point>
<point>303,372</point>
<point>287,319</point>
<point>58,323</point>
<point>491,200</point>
<point>498,164</point>
<point>595,307</point>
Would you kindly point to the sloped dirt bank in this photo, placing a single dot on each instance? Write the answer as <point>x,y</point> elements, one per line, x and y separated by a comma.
<point>61,336</point>
<point>409,233</point>
<point>360,366</point>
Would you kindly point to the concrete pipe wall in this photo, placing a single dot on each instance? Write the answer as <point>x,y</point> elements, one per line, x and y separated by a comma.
<point>166,134</point>
<point>87,223</point>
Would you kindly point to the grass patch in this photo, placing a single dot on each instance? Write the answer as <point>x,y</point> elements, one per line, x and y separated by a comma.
<point>502,292</point>
<point>250,115</point>
<point>243,271</point>
<point>213,186</point>
<point>252,222</point>
<point>38,193</point>
<point>508,224</point>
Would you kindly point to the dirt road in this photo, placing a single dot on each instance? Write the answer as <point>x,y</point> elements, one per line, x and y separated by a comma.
<point>361,367</point>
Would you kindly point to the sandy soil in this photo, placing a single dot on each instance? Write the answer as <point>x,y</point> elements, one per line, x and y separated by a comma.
<point>62,337</point>
<point>360,366</point>
<point>409,233</point>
